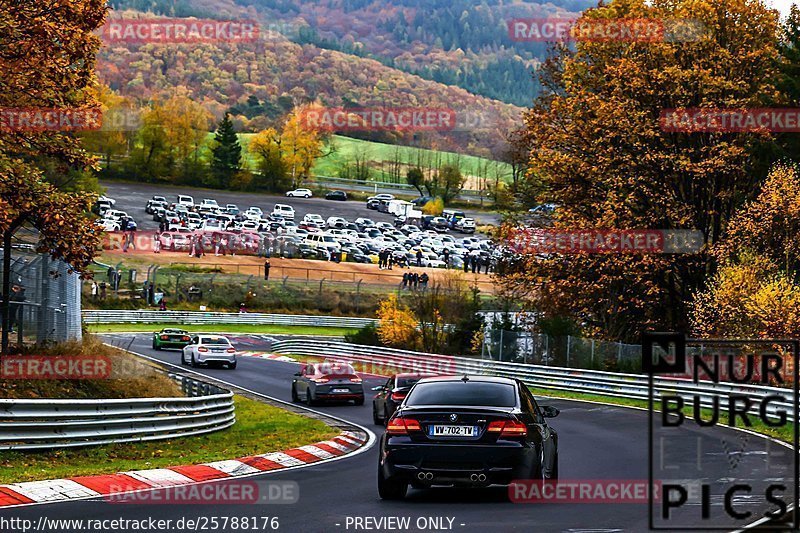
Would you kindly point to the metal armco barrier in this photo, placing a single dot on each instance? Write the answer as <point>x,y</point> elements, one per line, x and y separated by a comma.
<point>386,361</point>
<point>47,423</point>
<point>201,317</point>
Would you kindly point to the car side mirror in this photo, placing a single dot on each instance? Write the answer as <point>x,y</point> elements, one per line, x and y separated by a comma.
<point>549,411</point>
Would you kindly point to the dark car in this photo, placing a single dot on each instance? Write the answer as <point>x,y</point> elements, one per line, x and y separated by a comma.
<point>373,203</point>
<point>390,395</point>
<point>329,381</point>
<point>336,195</point>
<point>466,431</point>
<point>422,200</point>
<point>170,338</point>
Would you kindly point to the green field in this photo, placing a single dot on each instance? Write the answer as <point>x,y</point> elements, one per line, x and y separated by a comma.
<point>380,155</point>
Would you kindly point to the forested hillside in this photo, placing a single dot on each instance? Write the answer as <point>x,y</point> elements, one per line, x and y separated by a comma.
<point>456,42</point>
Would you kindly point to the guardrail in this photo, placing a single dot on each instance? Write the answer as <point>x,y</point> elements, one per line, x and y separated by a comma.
<point>47,423</point>
<point>146,316</point>
<point>386,361</point>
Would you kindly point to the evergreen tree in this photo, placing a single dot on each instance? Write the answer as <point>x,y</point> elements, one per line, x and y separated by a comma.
<point>227,152</point>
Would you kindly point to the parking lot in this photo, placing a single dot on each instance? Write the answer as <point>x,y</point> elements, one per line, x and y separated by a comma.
<point>132,197</point>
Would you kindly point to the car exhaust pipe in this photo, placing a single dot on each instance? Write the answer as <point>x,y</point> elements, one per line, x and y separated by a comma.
<point>473,477</point>
<point>429,476</point>
<point>481,477</point>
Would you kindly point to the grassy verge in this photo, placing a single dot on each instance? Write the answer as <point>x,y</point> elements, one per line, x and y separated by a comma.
<point>259,428</point>
<point>784,433</point>
<point>275,329</point>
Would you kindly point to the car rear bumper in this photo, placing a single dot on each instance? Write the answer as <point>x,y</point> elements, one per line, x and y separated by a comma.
<point>169,344</point>
<point>458,463</point>
<point>331,397</point>
<point>216,358</point>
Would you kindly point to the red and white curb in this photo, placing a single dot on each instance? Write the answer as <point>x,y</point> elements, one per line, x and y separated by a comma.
<point>53,490</point>
<point>272,356</point>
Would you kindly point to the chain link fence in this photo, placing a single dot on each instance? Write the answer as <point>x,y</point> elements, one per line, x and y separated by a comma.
<point>562,351</point>
<point>45,301</point>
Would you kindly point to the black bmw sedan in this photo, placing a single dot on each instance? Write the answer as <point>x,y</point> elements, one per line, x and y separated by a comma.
<point>466,431</point>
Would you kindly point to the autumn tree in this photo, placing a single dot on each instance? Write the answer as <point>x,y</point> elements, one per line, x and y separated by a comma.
<point>756,292</point>
<point>398,325</point>
<point>47,61</point>
<point>120,124</point>
<point>300,147</point>
<point>271,173</point>
<point>226,152</point>
<point>600,153</point>
<point>416,179</point>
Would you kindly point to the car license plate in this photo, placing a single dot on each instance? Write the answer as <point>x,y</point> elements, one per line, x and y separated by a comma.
<point>452,431</point>
<point>340,390</point>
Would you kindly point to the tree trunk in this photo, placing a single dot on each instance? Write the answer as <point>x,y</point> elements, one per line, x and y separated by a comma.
<point>6,311</point>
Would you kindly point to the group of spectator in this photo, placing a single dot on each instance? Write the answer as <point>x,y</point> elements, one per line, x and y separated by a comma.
<point>412,280</point>
<point>475,262</point>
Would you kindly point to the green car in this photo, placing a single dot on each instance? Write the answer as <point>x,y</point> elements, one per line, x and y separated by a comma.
<point>170,338</point>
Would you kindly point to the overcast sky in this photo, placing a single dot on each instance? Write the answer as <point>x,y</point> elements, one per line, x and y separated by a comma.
<point>781,5</point>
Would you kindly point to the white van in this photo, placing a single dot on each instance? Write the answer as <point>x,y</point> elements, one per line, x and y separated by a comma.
<point>323,240</point>
<point>286,211</point>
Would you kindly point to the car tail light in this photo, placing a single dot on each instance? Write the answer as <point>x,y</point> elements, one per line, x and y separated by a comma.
<point>201,349</point>
<point>321,380</point>
<point>184,338</point>
<point>507,428</point>
<point>231,350</point>
<point>356,379</point>
<point>164,337</point>
<point>402,426</point>
<point>398,396</point>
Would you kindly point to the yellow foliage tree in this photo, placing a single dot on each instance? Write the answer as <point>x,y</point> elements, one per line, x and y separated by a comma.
<point>398,326</point>
<point>300,146</point>
<point>434,207</point>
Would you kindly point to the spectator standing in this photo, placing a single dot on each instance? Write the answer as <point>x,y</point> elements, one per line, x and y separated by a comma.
<point>102,290</point>
<point>193,245</point>
<point>474,261</point>
<point>199,252</point>
<point>163,305</point>
<point>94,291</point>
<point>267,266</point>
<point>446,254</point>
<point>419,258</point>
<point>415,280</point>
<point>487,261</point>
<point>390,258</point>
<point>466,262</point>
<point>16,299</point>
<point>423,280</point>
<point>405,279</point>
<point>156,243</point>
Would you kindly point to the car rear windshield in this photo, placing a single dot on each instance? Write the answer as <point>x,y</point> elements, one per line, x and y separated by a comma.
<point>460,393</point>
<point>213,340</point>
<point>406,382</point>
<point>335,368</point>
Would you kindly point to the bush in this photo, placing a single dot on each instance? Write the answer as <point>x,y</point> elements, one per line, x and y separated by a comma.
<point>368,336</point>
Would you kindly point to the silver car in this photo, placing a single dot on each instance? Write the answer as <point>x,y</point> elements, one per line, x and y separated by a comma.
<point>207,349</point>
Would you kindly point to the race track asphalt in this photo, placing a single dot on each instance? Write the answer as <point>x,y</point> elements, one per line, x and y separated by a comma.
<point>596,442</point>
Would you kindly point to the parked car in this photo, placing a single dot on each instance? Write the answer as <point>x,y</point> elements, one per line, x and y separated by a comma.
<point>440,224</point>
<point>336,195</point>
<point>465,225</point>
<point>208,349</point>
<point>329,381</point>
<point>422,200</point>
<point>170,338</point>
<point>299,193</point>
<point>283,210</point>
